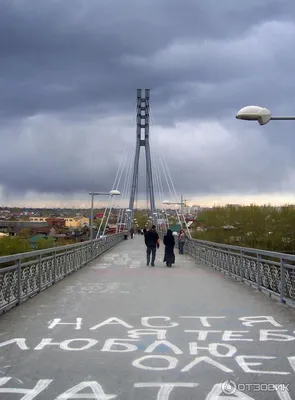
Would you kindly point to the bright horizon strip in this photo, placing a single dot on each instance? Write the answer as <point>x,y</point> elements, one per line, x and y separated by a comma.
<point>202,201</point>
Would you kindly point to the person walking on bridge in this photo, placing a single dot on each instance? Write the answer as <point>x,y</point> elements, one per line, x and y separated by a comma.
<point>152,240</point>
<point>181,241</point>
<point>169,243</point>
<point>131,233</point>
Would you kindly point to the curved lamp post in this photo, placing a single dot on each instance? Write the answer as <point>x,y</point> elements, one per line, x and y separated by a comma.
<point>167,202</point>
<point>92,194</point>
<point>260,114</point>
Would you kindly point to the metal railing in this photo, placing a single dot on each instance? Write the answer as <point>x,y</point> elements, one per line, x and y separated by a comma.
<point>270,272</point>
<point>32,272</point>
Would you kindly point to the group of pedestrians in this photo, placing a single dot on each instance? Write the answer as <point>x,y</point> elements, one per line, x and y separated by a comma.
<point>152,242</point>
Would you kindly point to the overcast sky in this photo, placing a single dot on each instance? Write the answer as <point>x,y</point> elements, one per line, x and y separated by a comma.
<point>69,71</point>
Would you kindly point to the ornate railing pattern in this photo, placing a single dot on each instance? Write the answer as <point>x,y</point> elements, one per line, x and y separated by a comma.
<point>269,271</point>
<point>32,272</point>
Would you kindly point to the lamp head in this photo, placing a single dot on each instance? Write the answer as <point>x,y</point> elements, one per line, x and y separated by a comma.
<point>115,193</point>
<point>254,113</point>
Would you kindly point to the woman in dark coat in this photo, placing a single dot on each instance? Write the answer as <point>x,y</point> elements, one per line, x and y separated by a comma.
<point>169,243</point>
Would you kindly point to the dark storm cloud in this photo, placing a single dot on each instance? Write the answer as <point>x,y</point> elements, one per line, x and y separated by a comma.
<point>72,63</point>
<point>56,55</point>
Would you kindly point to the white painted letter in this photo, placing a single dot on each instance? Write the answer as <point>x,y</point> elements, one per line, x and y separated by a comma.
<point>249,321</point>
<point>119,342</point>
<point>29,394</point>
<point>165,388</point>
<point>157,343</point>
<point>218,390</point>
<point>171,360</point>
<point>283,394</point>
<point>292,362</point>
<point>245,365</point>
<point>111,321</point>
<point>266,335</point>
<point>19,341</point>
<point>202,335</point>
<point>46,342</point>
<point>90,343</point>
<point>65,344</point>
<point>97,392</point>
<point>234,335</point>
<point>137,333</point>
<point>208,360</point>
<point>204,320</point>
<point>213,349</point>
<point>145,322</point>
<point>55,322</point>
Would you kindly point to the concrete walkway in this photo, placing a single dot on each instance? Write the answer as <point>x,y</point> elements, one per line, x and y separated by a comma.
<point>118,329</point>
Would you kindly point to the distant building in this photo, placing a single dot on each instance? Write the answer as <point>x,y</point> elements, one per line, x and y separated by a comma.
<point>56,222</point>
<point>70,222</point>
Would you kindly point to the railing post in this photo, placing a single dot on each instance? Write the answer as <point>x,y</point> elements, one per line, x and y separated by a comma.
<point>258,271</point>
<point>66,260</point>
<point>40,274</point>
<point>74,260</point>
<point>54,267</point>
<point>19,286</point>
<point>241,265</point>
<point>282,294</point>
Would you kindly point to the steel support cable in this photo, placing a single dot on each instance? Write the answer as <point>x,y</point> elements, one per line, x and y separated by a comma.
<point>159,187</point>
<point>125,189</point>
<point>115,184</point>
<point>128,184</point>
<point>154,165</point>
<point>119,169</point>
<point>161,190</point>
<point>166,172</point>
<point>169,188</point>
<point>154,170</point>
<point>179,216</point>
<point>122,197</point>
<point>184,221</point>
<point>159,175</point>
<point>157,182</point>
<point>110,210</point>
<point>124,161</point>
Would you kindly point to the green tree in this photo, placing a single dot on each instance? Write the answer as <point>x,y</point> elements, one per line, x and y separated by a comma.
<point>24,233</point>
<point>264,227</point>
<point>13,245</point>
<point>44,243</point>
<point>141,218</point>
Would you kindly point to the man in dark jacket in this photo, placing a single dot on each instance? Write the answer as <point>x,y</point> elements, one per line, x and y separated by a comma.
<point>152,243</point>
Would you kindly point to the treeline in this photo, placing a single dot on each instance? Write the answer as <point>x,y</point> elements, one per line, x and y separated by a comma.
<point>266,227</point>
<point>13,244</point>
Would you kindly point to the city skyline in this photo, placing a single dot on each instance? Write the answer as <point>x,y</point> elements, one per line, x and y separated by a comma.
<point>275,201</point>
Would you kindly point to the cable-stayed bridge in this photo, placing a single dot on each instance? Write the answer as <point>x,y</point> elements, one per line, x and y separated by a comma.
<point>92,321</point>
<point>157,183</point>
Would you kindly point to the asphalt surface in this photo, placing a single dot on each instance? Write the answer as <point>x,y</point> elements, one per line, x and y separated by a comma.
<point>108,302</point>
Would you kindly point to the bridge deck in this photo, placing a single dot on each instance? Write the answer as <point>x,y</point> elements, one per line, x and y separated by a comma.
<point>111,299</point>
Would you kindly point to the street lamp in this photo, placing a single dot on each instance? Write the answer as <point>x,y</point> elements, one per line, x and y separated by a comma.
<point>92,194</point>
<point>167,202</point>
<point>260,114</point>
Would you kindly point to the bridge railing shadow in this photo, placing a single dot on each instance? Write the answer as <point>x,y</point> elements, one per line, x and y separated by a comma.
<point>270,272</point>
<point>32,272</point>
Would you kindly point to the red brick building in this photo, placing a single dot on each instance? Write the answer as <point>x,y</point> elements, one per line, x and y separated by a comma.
<point>56,222</point>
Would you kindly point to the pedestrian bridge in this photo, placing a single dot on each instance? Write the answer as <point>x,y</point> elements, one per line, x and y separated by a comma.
<point>100,324</point>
